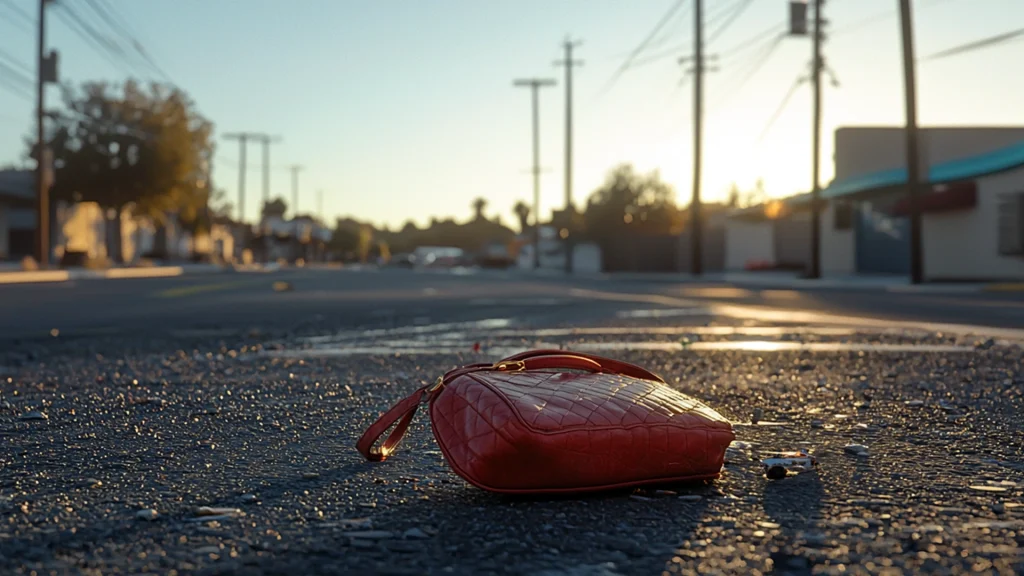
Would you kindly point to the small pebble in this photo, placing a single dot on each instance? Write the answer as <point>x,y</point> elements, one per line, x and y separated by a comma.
<point>856,449</point>
<point>691,497</point>
<point>415,534</point>
<point>248,497</point>
<point>34,415</point>
<point>310,476</point>
<point>147,514</point>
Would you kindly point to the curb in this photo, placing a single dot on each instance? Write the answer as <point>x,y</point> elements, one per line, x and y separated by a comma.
<point>51,276</point>
<point>1004,287</point>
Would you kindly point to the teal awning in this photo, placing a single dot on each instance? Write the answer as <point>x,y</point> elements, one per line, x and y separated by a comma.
<point>963,169</point>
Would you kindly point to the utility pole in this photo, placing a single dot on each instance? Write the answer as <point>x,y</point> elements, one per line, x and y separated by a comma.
<point>47,72</point>
<point>295,168</point>
<point>913,158</point>
<point>816,160</point>
<point>798,27</point>
<point>535,84</point>
<point>320,205</point>
<point>696,258</point>
<point>267,140</point>
<point>243,139</point>
<point>569,64</point>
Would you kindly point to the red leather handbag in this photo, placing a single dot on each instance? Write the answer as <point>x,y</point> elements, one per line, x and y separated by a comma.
<point>556,421</point>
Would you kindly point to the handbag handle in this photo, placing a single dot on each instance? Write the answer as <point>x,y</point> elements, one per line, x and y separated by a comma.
<point>607,364</point>
<point>404,411</point>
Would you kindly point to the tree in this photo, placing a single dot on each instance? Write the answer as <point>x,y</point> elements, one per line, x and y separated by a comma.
<point>478,208</point>
<point>637,202</point>
<point>275,208</point>
<point>365,242</point>
<point>733,200</point>
<point>146,149</point>
<point>522,212</point>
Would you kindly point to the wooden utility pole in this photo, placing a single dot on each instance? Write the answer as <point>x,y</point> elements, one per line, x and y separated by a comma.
<point>913,157</point>
<point>569,64</point>
<point>47,72</point>
<point>267,140</point>
<point>295,168</point>
<point>535,84</point>
<point>815,271</point>
<point>696,258</point>
<point>243,139</point>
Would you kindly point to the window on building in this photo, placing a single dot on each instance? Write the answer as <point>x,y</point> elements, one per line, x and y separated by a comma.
<point>1011,224</point>
<point>842,216</point>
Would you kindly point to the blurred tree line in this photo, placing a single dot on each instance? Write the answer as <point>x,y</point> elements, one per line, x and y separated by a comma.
<point>628,203</point>
<point>132,148</point>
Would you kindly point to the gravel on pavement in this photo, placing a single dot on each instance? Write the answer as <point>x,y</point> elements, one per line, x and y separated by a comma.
<point>207,455</point>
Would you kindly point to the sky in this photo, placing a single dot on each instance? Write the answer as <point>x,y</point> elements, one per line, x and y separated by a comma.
<point>406,110</point>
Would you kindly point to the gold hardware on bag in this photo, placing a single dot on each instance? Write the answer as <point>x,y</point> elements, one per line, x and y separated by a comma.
<point>437,385</point>
<point>515,366</point>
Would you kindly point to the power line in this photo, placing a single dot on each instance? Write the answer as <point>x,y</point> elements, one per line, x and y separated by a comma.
<point>643,45</point>
<point>782,107</point>
<point>744,46</point>
<point>19,11</point>
<point>118,25</point>
<point>741,7</point>
<point>758,61</point>
<point>15,63</point>
<point>82,32</point>
<point>769,34</point>
<point>12,73</point>
<point>860,24</point>
<point>977,44</point>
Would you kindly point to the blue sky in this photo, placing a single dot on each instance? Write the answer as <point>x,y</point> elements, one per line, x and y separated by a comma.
<point>406,110</point>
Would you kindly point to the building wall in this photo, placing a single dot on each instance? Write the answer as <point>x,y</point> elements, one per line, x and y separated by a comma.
<point>5,233</point>
<point>747,242</point>
<point>964,245</point>
<point>792,236</point>
<point>838,247</point>
<point>862,150</point>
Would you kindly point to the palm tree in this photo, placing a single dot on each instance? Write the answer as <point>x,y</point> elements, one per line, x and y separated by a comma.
<point>522,211</point>
<point>478,207</point>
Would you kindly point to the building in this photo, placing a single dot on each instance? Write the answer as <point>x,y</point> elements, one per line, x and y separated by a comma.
<point>17,214</point>
<point>971,204</point>
<point>82,232</point>
<point>775,235</point>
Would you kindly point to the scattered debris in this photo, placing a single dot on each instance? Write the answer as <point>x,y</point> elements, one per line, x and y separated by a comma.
<point>782,463</point>
<point>355,524</point>
<point>147,514</point>
<point>856,449</point>
<point>34,415</point>
<point>310,475</point>
<point>415,534</point>
<point>691,497</point>
<point>226,512</point>
<point>281,286</point>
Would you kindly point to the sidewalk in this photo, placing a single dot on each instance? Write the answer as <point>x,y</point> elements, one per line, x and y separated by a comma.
<point>18,276</point>
<point>792,281</point>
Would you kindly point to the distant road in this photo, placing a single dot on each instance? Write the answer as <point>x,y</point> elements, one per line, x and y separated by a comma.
<point>353,298</point>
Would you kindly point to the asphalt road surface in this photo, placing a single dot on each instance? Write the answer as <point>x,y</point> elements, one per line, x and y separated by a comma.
<point>127,405</point>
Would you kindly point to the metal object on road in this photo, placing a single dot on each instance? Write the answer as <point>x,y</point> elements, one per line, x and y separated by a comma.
<point>780,465</point>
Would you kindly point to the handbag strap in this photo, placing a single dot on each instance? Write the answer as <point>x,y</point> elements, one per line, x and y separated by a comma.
<point>607,364</point>
<point>401,414</point>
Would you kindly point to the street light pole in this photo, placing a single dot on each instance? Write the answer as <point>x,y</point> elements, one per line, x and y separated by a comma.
<point>535,84</point>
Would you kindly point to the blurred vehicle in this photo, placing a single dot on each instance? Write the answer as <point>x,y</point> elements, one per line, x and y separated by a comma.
<point>437,257</point>
<point>495,255</point>
<point>402,261</point>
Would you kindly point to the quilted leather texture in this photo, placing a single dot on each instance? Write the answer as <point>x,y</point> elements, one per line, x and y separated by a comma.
<point>553,431</point>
